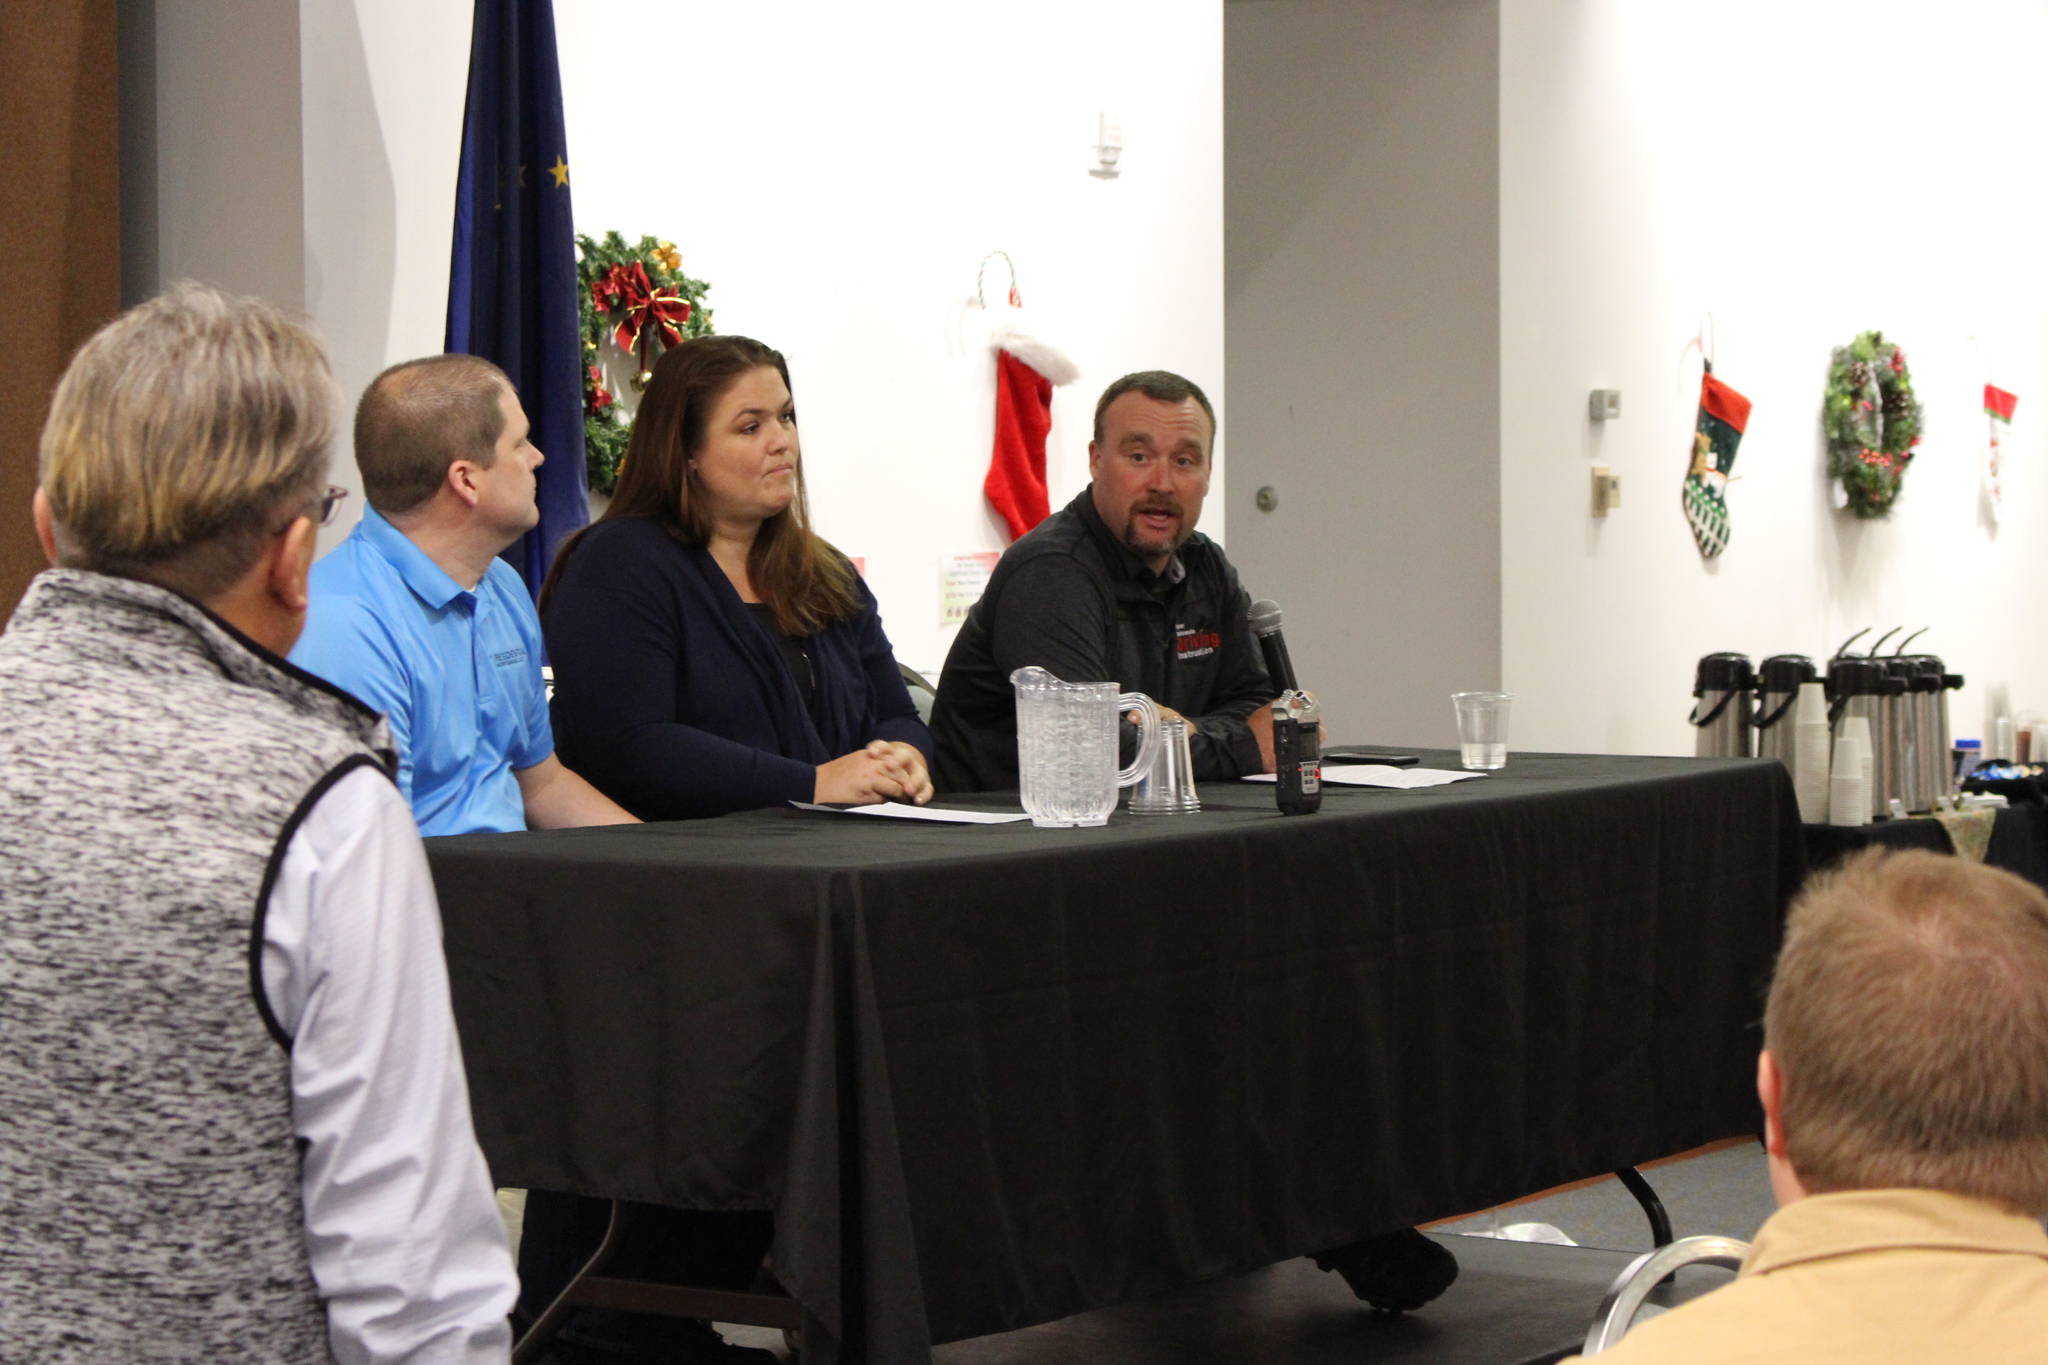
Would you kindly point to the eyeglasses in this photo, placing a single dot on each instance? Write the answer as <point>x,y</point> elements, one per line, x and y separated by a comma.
<point>327,502</point>
<point>330,503</point>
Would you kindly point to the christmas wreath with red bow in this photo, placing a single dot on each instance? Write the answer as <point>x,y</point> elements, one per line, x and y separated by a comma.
<point>1872,422</point>
<point>635,303</point>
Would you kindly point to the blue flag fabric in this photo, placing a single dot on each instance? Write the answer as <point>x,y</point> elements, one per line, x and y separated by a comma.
<point>512,282</point>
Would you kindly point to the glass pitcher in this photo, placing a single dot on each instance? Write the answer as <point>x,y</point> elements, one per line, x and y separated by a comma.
<point>1066,747</point>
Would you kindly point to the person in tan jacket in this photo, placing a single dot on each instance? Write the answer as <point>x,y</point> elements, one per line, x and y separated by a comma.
<point>1904,1082</point>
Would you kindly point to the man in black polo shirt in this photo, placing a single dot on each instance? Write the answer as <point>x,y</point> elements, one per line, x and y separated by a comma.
<point>1116,586</point>
<point>1119,586</point>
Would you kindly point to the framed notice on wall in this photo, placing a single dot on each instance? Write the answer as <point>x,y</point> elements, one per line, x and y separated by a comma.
<point>962,580</point>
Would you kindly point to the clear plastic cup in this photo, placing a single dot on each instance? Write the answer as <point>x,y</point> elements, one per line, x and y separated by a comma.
<point>1482,728</point>
<point>1169,788</point>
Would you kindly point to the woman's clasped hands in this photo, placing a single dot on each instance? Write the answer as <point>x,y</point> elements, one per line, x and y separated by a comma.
<point>886,770</point>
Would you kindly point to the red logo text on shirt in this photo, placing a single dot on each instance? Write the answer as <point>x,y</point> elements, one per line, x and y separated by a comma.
<point>1190,643</point>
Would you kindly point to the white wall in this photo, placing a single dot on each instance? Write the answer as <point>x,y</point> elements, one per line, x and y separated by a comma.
<point>1362,272</point>
<point>836,173</point>
<point>210,148</point>
<point>304,154</point>
<point>1801,178</point>
<point>382,85</point>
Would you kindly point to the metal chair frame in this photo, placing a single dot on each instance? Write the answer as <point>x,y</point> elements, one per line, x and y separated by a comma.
<point>592,1287</point>
<point>1633,1285</point>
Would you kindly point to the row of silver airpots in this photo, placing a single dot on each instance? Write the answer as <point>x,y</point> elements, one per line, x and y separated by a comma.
<point>1740,711</point>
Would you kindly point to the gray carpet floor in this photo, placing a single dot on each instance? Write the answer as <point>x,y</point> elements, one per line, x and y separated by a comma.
<point>1724,1190</point>
<point>1515,1303</point>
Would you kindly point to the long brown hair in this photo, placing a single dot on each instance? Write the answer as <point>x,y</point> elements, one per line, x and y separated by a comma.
<point>804,582</point>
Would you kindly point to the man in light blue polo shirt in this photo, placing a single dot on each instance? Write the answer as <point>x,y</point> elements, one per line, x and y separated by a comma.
<point>415,613</point>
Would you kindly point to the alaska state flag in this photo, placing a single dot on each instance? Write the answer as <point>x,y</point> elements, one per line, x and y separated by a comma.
<point>512,283</point>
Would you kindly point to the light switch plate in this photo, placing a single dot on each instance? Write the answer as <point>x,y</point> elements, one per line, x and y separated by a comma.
<point>1606,490</point>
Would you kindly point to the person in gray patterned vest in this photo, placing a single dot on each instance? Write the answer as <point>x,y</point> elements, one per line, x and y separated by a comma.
<point>233,1119</point>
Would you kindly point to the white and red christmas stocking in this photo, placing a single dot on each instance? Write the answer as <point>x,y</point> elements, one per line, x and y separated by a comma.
<point>1027,369</point>
<point>1998,406</point>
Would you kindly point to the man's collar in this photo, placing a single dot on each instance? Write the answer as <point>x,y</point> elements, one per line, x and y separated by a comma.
<point>1132,563</point>
<point>429,581</point>
<point>1850,1221</point>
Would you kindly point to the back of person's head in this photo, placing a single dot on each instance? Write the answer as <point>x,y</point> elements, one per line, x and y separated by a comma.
<point>421,416</point>
<point>1161,386</point>
<point>1908,1020</point>
<point>180,433</point>
<point>670,427</point>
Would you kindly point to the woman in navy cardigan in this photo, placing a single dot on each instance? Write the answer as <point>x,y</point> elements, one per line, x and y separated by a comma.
<point>711,654</point>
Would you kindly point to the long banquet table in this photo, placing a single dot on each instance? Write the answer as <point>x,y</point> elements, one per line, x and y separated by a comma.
<point>987,1076</point>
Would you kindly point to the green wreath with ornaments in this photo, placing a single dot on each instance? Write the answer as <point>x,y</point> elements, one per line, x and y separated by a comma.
<point>1872,422</point>
<point>635,303</point>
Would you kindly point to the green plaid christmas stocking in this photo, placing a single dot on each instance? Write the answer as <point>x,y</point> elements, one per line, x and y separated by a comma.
<point>1723,415</point>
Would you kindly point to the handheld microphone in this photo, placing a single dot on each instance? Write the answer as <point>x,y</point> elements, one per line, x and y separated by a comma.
<point>1297,720</point>
<point>1265,621</point>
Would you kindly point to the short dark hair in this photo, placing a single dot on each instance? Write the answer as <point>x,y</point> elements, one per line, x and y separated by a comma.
<point>419,417</point>
<point>1161,386</point>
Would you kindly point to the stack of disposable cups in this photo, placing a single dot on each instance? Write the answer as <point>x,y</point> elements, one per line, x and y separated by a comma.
<point>1810,741</point>
<point>1858,729</point>
<point>1848,788</point>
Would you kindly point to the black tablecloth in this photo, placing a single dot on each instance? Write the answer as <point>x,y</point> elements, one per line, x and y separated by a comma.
<point>2019,840</point>
<point>991,1075</point>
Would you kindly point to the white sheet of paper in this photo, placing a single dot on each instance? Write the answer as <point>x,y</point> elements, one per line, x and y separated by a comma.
<point>896,810</point>
<point>1380,775</point>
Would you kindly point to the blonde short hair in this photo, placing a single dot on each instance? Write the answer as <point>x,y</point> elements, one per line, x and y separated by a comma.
<point>419,417</point>
<point>180,432</point>
<point>1909,1019</point>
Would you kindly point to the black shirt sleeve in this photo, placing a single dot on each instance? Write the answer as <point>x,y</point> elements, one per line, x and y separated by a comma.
<point>1054,614</point>
<point>1220,744</point>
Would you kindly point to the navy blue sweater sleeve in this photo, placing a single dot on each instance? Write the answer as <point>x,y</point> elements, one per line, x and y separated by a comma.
<point>652,704</point>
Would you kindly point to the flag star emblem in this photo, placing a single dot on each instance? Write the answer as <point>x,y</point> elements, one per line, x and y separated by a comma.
<point>512,282</point>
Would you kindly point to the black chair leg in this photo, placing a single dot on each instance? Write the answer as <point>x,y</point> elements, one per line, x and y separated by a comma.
<point>544,1326</point>
<point>1653,1207</point>
<point>764,1306</point>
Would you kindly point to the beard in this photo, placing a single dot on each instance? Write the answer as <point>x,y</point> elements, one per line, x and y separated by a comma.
<point>1136,538</point>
